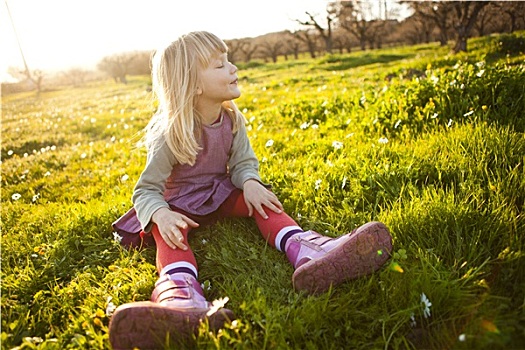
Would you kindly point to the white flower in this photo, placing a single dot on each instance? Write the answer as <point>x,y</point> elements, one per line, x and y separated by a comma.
<point>396,125</point>
<point>337,144</point>
<point>83,155</point>
<point>480,73</point>
<point>449,124</point>
<point>318,184</point>
<point>216,305</point>
<point>110,307</point>
<point>468,113</point>
<point>10,152</point>
<point>462,337</point>
<point>117,237</point>
<point>124,178</point>
<point>383,140</point>
<point>269,143</point>
<point>35,197</point>
<point>413,322</point>
<point>206,285</point>
<point>427,304</point>
<point>304,125</point>
<point>344,182</point>
<point>16,196</point>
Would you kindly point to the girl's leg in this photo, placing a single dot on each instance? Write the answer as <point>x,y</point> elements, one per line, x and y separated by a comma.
<point>171,261</point>
<point>177,305</point>
<point>276,230</point>
<point>320,261</point>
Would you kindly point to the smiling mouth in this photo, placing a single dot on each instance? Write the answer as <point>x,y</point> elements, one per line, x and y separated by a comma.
<point>234,82</point>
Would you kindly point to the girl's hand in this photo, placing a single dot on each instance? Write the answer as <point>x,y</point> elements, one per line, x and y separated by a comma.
<point>256,196</point>
<point>170,223</point>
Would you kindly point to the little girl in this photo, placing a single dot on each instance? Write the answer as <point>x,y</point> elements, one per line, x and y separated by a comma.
<point>201,168</point>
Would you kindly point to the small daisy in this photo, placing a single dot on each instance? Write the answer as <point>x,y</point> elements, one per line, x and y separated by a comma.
<point>216,305</point>
<point>337,144</point>
<point>110,307</point>
<point>413,322</point>
<point>16,196</point>
<point>427,304</point>
<point>117,237</point>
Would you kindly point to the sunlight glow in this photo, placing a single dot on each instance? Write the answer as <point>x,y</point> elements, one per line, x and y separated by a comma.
<point>56,34</point>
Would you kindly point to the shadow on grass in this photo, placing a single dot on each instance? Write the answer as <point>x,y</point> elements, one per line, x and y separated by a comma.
<point>343,63</point>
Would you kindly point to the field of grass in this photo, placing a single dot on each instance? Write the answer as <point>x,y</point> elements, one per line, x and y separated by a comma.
<point>430,144</point>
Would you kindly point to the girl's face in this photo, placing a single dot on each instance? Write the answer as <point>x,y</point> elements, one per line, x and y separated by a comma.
<point>218,81</point>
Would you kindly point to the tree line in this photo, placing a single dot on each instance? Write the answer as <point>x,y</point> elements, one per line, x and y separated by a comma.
<point>352,24</point>
<point>345,26</point>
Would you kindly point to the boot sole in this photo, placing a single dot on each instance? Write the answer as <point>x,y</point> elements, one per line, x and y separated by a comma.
<point>364,252</point>
<point>148,325</point>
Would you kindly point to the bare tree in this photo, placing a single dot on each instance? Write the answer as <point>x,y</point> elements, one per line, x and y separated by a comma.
<point>117,66</point>
<point>271,48</point>
<point>422,29</point>
<point>352,18</point>
<point>466,15</point>
<point>515,11</point>
<point>33,80</point>
<point>309,39</point>
<point>75,76</point>
<point>293,44</point>
<point>485,18</point>
<point>248,49</point>
<point>234,47</point>
<point>325,33</point>
<point>437,12</point>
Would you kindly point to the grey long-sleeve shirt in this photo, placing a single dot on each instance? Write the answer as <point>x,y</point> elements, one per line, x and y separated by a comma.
<point>225,162</point>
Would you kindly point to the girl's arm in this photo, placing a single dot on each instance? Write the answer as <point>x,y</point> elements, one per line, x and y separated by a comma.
<point>149,202</point>
<point>244,172</point>
<point>243,164</point>
<point>148,195</point>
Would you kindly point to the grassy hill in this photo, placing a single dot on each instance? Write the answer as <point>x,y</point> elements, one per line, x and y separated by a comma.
<point>429,143</point>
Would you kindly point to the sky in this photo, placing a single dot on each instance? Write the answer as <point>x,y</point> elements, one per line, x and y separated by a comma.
<point>56,35</point>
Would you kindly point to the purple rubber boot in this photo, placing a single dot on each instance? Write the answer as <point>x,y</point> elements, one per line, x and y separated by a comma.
<point>176,309</point>
<point>321,262</point>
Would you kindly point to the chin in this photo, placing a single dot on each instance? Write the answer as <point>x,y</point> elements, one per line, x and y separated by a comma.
<point>236,95</point>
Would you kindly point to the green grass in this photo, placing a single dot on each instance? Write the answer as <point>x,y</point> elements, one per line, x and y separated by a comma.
<point>431,144</point>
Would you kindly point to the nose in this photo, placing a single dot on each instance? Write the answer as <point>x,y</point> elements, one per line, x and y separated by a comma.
<point>233,68</point>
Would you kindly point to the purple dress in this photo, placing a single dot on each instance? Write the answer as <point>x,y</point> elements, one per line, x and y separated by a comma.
<point>199,189</point>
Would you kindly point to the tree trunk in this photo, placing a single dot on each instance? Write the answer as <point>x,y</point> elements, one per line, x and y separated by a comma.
<point>466,20</point>
<point>461,41</point>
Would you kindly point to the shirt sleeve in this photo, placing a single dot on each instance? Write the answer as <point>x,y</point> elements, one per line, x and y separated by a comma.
<point>148,195</point>
<point>243,164</point>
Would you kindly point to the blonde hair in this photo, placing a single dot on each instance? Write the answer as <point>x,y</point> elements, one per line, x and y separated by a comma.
<point>174,78</point>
